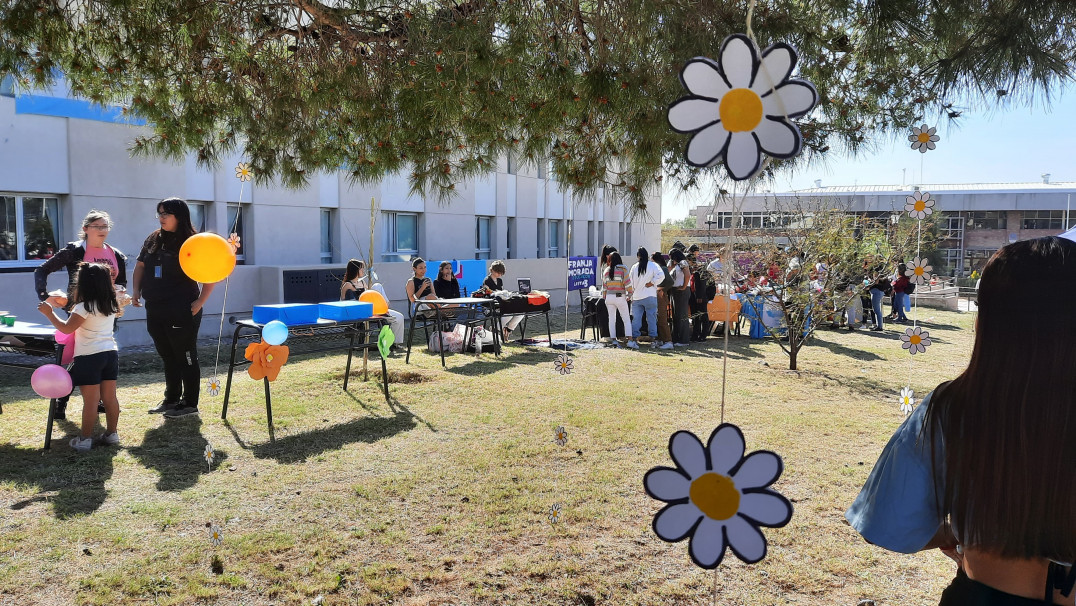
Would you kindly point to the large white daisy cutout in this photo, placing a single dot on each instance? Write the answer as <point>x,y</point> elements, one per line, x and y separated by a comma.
<point>907,400</point>
<point>919,205</point>
<point>915,340</point>
<point>740,108</point>
<point>717,496</point>
<point>924,138</point>
<point>918,271</point>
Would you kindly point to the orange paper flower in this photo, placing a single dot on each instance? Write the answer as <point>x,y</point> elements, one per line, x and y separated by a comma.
<point>233,241</point>
<point>265,360</point>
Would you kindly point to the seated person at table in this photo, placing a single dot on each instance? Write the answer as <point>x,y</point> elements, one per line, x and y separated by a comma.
<point>419,287</point>
<point>493,282</point>
<point>353,286</point>
<point>446,286</point>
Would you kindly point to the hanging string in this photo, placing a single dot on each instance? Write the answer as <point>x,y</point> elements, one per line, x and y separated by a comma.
<point>567,272</point>
<point>224,306</point>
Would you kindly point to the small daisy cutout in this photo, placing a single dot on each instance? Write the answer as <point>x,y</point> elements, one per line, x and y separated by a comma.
<point>243,172</point>
<point>717,496</point>
<point>560,436</point>
<point>915,340</point>
<point>919,205</point>
<point>233,242</point>
<point>918,271</point>
<point>741,108</point>
<point>563,365</point>
<point>215,536</point>
<point>212,387</point>
<point>907,400</point>
<point>209,455</point>
<point>554,513</point>
<point>924,138</point>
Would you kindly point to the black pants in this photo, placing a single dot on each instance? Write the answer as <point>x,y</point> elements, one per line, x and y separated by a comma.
<point>681,313</point>
<point>175,335</point>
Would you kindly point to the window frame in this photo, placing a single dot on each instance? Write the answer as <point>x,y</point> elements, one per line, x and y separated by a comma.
<point>481,252</point>
<point>1043,219</point>
<point>391,248</point>
<point>325,235</point>
<point>19,201</point>
<point>553,239</point>
<point>238,227</point>
<point>981,219</point>
<point>204,206</point>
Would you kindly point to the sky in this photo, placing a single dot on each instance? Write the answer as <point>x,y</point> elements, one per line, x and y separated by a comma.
<point>1011,145</point>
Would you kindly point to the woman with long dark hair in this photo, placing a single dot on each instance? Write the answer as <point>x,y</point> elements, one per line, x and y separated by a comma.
<point>615,291</point>
<point>681,296</point>
<point>644,276</point>
<point>354,280</point>
<point>173,307</point>
<point>983,468</point>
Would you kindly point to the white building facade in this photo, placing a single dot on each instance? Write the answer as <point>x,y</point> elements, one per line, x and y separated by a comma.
<point>61,157</point>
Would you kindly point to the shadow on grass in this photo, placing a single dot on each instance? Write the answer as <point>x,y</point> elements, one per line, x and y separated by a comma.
<point>176,451</point>
<point>73,483</point>
<point>299,447</point>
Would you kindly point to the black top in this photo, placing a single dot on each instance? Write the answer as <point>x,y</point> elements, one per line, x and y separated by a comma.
<point>69,258</point>
<point>417,282</point>
<point>163,280</point>
<point>492,284</point>
<point>447,289</point>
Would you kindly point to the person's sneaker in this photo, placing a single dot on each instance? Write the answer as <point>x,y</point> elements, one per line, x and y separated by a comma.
<point>633,345</point>
<point>81,444</point>
<point>165,406</point>
<point>681,344</point>
<point>112,439</point>
<point>101,407</point>
<point>181,411</point>
<point>666,345</point>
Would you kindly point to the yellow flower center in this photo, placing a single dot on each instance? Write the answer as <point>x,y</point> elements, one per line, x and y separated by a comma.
<point>924,137</point>
<point>269,358</point>
<point>919,271</point>
<point>715,495</point>
<point>920,205</point>
<point>740,110</point>
<point>915,339</point>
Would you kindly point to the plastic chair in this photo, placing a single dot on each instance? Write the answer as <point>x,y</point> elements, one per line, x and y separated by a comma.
<point>590,316</point>
<point>725,309</point>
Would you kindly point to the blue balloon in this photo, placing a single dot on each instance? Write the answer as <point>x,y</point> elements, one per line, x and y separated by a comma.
<point>275,332</point>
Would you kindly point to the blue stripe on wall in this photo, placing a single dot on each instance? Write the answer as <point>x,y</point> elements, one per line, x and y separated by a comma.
<point>72,108</point>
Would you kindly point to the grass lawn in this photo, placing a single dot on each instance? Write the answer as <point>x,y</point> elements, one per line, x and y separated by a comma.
<point>441,495</point>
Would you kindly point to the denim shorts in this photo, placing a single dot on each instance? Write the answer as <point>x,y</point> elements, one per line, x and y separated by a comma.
<point>94,368</point>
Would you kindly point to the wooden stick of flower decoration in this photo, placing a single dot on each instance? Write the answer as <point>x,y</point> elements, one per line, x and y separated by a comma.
<point>738,110</point>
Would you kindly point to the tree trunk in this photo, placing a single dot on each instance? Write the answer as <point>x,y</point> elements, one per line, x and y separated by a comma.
<point>793,349</point>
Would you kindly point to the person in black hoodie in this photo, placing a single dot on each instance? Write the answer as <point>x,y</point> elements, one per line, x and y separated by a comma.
<point>92,248</point>
<point>173,307</point>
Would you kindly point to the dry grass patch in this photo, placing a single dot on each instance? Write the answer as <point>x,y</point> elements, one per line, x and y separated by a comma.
<point>440,495</point>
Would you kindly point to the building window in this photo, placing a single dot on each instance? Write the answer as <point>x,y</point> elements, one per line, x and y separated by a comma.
<point>953,227</point>
<point>198,216</point>
<point>1044,219</point>
<point>951,258</point>
<point>510,229</point>
<point>554,239</point>
<point>543,169</point>
<point>29,228</point>
<point>326,235</point>
<point>539,239</point>
<point>481,237</point>
<point>510,161</point>
<point>975,259</point>
<point>591,234</point>
<point>236,218</point>
<point>401,238</point>
<point>988,219</point>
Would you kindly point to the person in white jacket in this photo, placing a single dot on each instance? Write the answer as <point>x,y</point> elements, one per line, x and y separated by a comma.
<point>644,277</point>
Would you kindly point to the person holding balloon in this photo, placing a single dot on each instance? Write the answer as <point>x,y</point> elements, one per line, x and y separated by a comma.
<point>174,301</point>
<point>354,288</point>
<point>96,363</point>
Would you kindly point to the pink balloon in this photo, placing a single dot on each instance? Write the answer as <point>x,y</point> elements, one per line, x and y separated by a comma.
<point>63,339</point>
<point>51,381</point>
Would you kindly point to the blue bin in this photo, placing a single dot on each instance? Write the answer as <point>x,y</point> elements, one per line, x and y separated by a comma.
<point>291,314</point>
<point>342,311</point>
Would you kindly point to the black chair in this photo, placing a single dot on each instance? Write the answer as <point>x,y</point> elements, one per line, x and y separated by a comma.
<point>590,315</point>
<point>425,319</point>
<point>472,318</point>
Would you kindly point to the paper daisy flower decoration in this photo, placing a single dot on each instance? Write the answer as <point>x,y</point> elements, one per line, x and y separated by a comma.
<point>215,536</point>
<point>919,205</point>
<point>243,172</point>
<point>923,138</point>
<point>915,340</point>
<point>740,107</point>
<point>212,387</point>
<point>560,436</point>
<point>209,455</point>
<point>717,496</point>
<point>554,513</point>
<point>907,400</point>
<point>918,270</point>
<point>233,242</point>
<point>563,365</point>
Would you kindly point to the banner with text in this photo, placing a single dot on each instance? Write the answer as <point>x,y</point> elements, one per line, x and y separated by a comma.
<point>582,272</point>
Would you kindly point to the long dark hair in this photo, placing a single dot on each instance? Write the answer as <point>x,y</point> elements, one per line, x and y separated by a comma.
<point>177,207</point>
<point>93,288</point>
<point>676,255</point>
<point>1008,421</point>
<point>352,270</point>
<point>607,250</point>
<point>613,260</point>
<point>644,260</point>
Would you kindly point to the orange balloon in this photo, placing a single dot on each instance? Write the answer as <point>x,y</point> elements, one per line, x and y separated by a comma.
<point>206,258</point>
<point>381,306</point>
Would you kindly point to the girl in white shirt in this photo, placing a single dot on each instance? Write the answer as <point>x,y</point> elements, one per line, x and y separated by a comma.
<point>96,363</point>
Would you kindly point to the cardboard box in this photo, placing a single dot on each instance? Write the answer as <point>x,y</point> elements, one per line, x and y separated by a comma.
<point>341,311</point>
<point>291,314</point>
